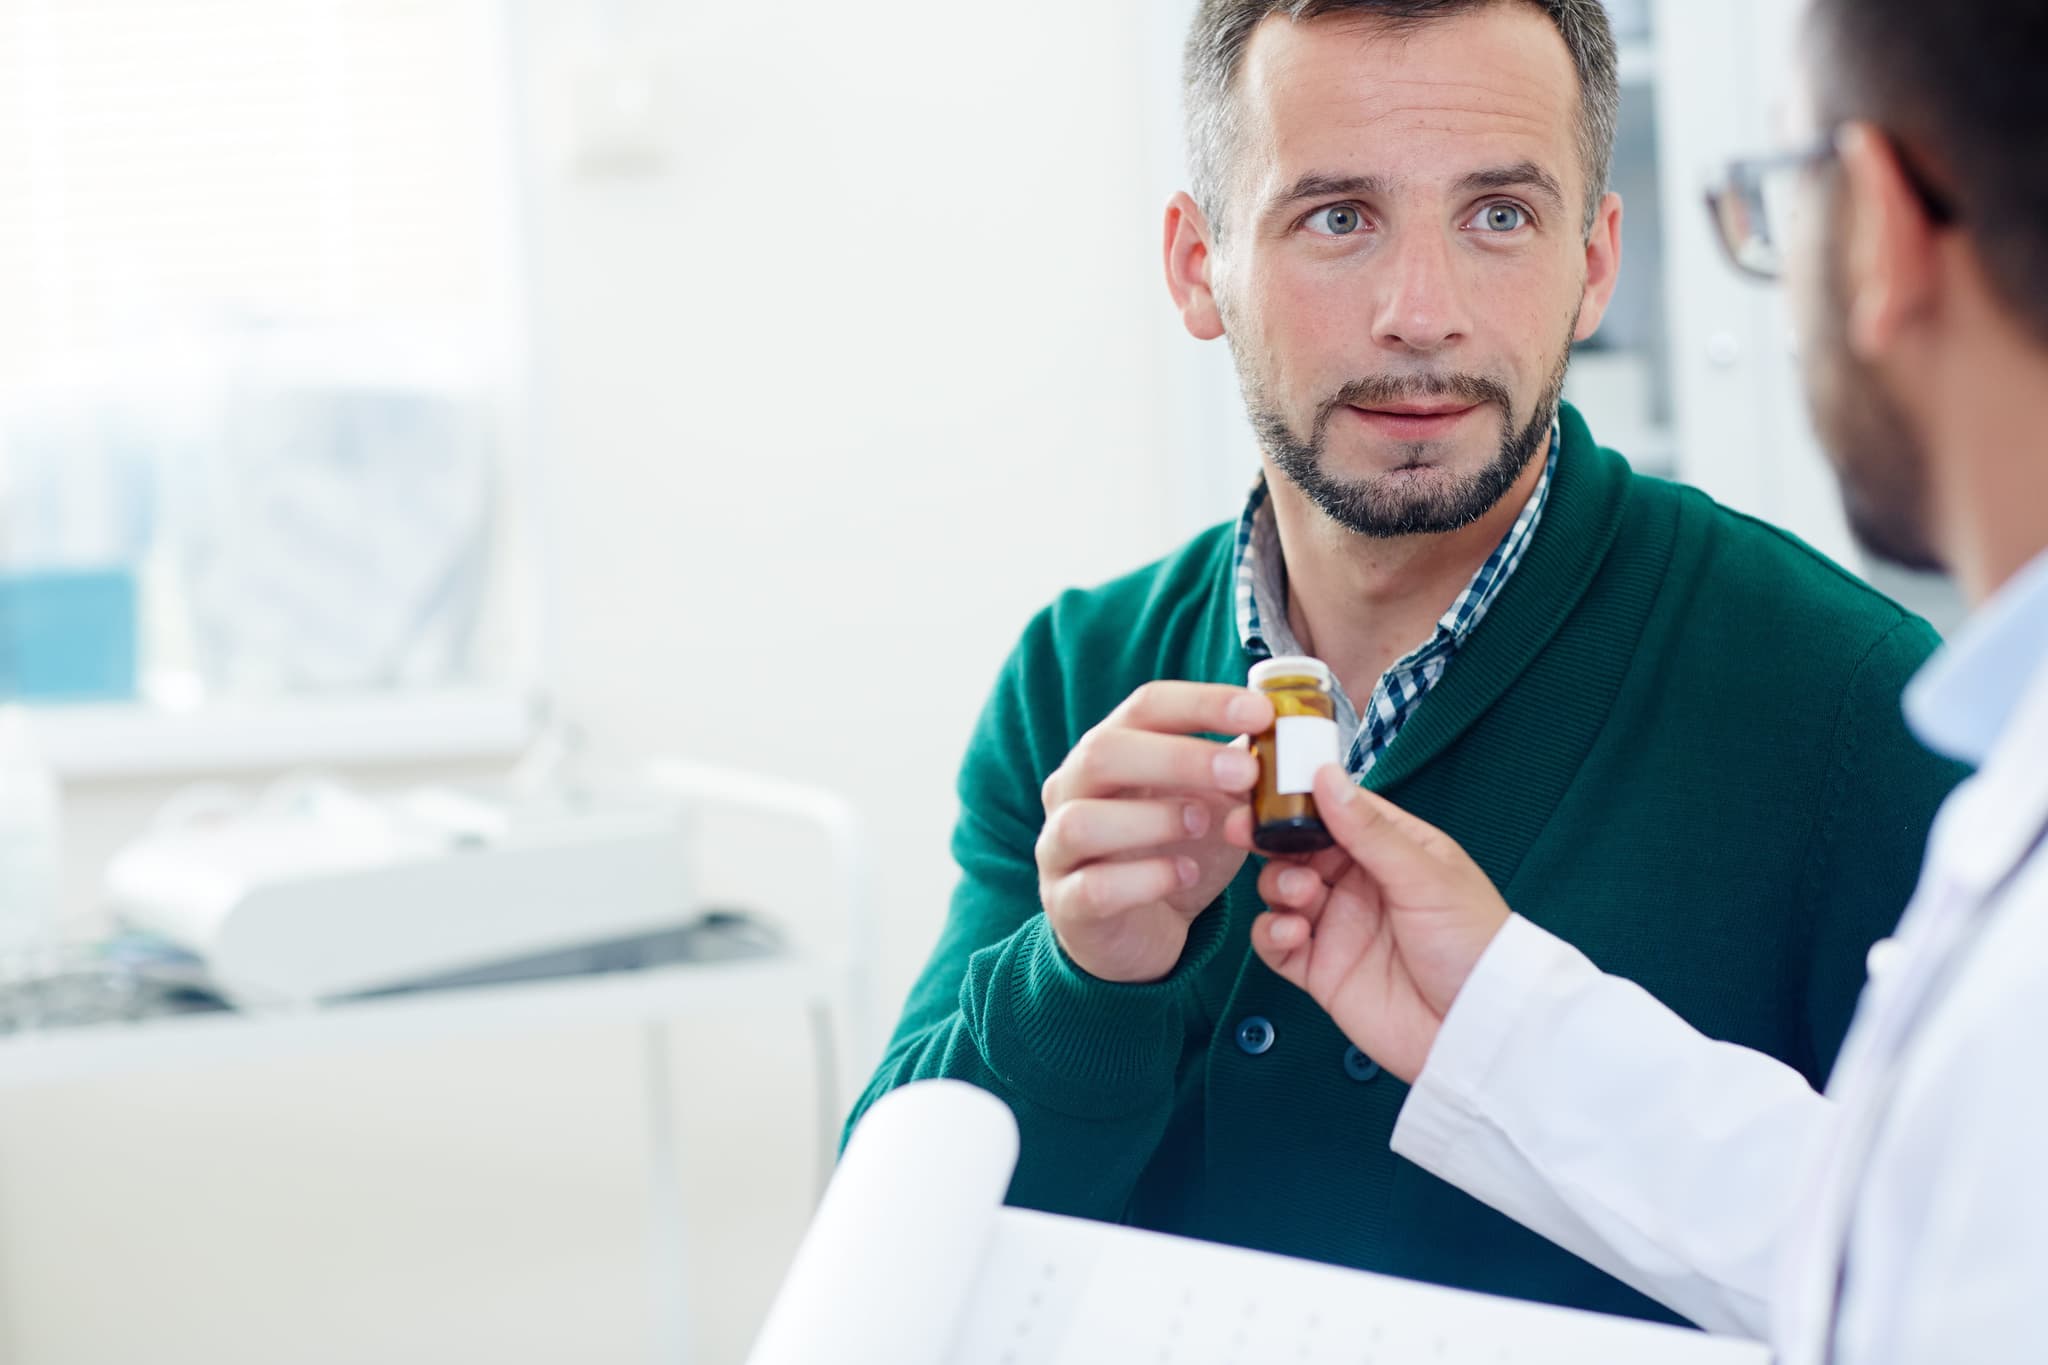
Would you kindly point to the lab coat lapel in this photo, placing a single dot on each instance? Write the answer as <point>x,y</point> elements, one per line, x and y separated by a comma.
<point>1983,838</point>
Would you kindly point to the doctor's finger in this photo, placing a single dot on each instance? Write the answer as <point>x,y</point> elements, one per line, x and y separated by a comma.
<point>1401,853</point>
<point>1293,888</point>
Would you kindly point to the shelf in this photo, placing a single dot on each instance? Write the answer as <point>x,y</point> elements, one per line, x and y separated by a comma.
<point>126,741</point>
<point>154,1046</point>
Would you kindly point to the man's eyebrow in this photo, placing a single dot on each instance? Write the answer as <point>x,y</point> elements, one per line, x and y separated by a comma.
<point>1521,175</point>
<point>1316,185</point>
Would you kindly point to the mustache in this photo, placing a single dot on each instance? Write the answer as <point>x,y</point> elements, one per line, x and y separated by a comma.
<point>1382,390</point>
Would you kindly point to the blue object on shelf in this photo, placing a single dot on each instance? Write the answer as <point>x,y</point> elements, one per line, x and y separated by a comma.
<point>67,634</point>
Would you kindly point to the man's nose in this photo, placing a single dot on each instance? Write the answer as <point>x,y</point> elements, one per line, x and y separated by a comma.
<point>1421,304</point>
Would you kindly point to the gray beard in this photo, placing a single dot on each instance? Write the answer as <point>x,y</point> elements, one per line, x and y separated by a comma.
<point>1374,507</point>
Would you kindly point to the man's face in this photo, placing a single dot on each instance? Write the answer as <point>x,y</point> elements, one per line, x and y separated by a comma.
<point>1878,460</point>
<point>1403,265</point>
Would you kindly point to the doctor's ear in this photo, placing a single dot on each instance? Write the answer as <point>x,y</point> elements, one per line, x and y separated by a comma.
<point>1190,259</point>
<point>1889,239</point>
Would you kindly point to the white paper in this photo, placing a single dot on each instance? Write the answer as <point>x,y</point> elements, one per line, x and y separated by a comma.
<point>1061,1291</point>
<point>912,1261</point>
<point>901,1235</point>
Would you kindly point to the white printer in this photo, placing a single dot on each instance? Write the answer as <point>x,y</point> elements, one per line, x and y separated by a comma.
<point>318,892</point>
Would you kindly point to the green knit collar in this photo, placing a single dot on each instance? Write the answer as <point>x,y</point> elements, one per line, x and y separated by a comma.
<point>1578,528</point>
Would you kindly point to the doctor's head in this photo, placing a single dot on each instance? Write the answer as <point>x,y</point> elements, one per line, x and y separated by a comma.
<point>1400,222</point>
<point>1910,214</point>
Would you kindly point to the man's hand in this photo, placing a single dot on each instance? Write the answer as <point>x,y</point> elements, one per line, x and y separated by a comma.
<point>1146,824</point>
<point>1383,929</point>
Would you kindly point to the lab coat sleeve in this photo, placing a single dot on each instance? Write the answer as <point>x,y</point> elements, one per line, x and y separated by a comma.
<point>1577,1104</point>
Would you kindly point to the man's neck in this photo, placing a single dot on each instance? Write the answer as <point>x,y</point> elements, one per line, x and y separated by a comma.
<point>1359,604</point>
<point>1987,438</point>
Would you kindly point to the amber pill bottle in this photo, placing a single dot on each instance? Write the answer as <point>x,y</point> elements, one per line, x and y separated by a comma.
<point>1303,739</point>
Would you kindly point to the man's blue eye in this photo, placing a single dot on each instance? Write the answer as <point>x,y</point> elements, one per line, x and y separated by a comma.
<point>1341,221</point>
<point>1503,218</point>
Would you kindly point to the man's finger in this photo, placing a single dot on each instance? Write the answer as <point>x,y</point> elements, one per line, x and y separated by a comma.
<point>1111,760</point>
<point>1102,891</point>
<point>1082,831</point>
<point>1185,708</point>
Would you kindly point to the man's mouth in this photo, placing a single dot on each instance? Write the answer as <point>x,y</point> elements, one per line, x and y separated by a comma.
<point>1421,420</point>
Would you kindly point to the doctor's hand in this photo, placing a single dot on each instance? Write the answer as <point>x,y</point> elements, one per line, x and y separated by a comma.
<point>1145,825</point>
<point>1383,929</point>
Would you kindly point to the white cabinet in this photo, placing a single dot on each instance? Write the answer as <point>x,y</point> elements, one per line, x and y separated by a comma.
<point>1738,415</point>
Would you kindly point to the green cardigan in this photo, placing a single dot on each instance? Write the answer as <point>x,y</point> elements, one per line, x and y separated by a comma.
<point>1675,741</point>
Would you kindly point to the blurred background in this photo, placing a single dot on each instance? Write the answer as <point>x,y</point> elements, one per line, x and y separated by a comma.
<point>387,386</point>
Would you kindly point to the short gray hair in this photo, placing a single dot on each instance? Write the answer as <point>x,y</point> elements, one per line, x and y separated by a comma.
<point>1223,31</point>
<point>1957,88</point>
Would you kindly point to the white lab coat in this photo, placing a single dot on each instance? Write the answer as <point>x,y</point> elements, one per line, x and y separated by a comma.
<point>1900,1220</point>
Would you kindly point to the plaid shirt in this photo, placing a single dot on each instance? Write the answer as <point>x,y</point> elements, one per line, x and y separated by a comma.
<point>1261,575</point>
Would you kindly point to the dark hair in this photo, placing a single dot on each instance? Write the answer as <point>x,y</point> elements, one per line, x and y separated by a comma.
<point>1960,86</point>
<point>1223,30</point>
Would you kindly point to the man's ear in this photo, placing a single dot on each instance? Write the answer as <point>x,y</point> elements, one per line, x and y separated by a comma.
<point>1190,256</point>
<point>1889,261</point>
<point>1603,266</point>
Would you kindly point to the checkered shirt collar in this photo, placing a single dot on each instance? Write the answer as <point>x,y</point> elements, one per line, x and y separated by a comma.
<point>1260,572</point>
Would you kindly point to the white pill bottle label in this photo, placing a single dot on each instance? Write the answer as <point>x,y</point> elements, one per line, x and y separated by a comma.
<point>1301,744</point>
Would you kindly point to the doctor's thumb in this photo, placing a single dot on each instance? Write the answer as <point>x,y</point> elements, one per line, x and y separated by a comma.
<point>1394,848</point>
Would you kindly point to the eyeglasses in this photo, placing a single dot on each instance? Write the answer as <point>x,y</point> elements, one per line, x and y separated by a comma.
<point>1756,201</point>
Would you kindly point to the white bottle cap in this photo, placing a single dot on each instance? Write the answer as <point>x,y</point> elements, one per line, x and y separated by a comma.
<point>1291,666</point>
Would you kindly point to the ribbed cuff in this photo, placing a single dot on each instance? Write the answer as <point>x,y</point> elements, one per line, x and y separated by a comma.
<point>1073,1042</point>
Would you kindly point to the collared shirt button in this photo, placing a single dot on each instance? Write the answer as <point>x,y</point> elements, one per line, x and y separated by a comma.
<point>1255,1035</point>
<point>1360,1067</point>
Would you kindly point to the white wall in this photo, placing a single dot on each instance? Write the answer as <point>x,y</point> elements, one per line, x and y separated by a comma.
<point>870,369</point>
<point>852,390</point>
